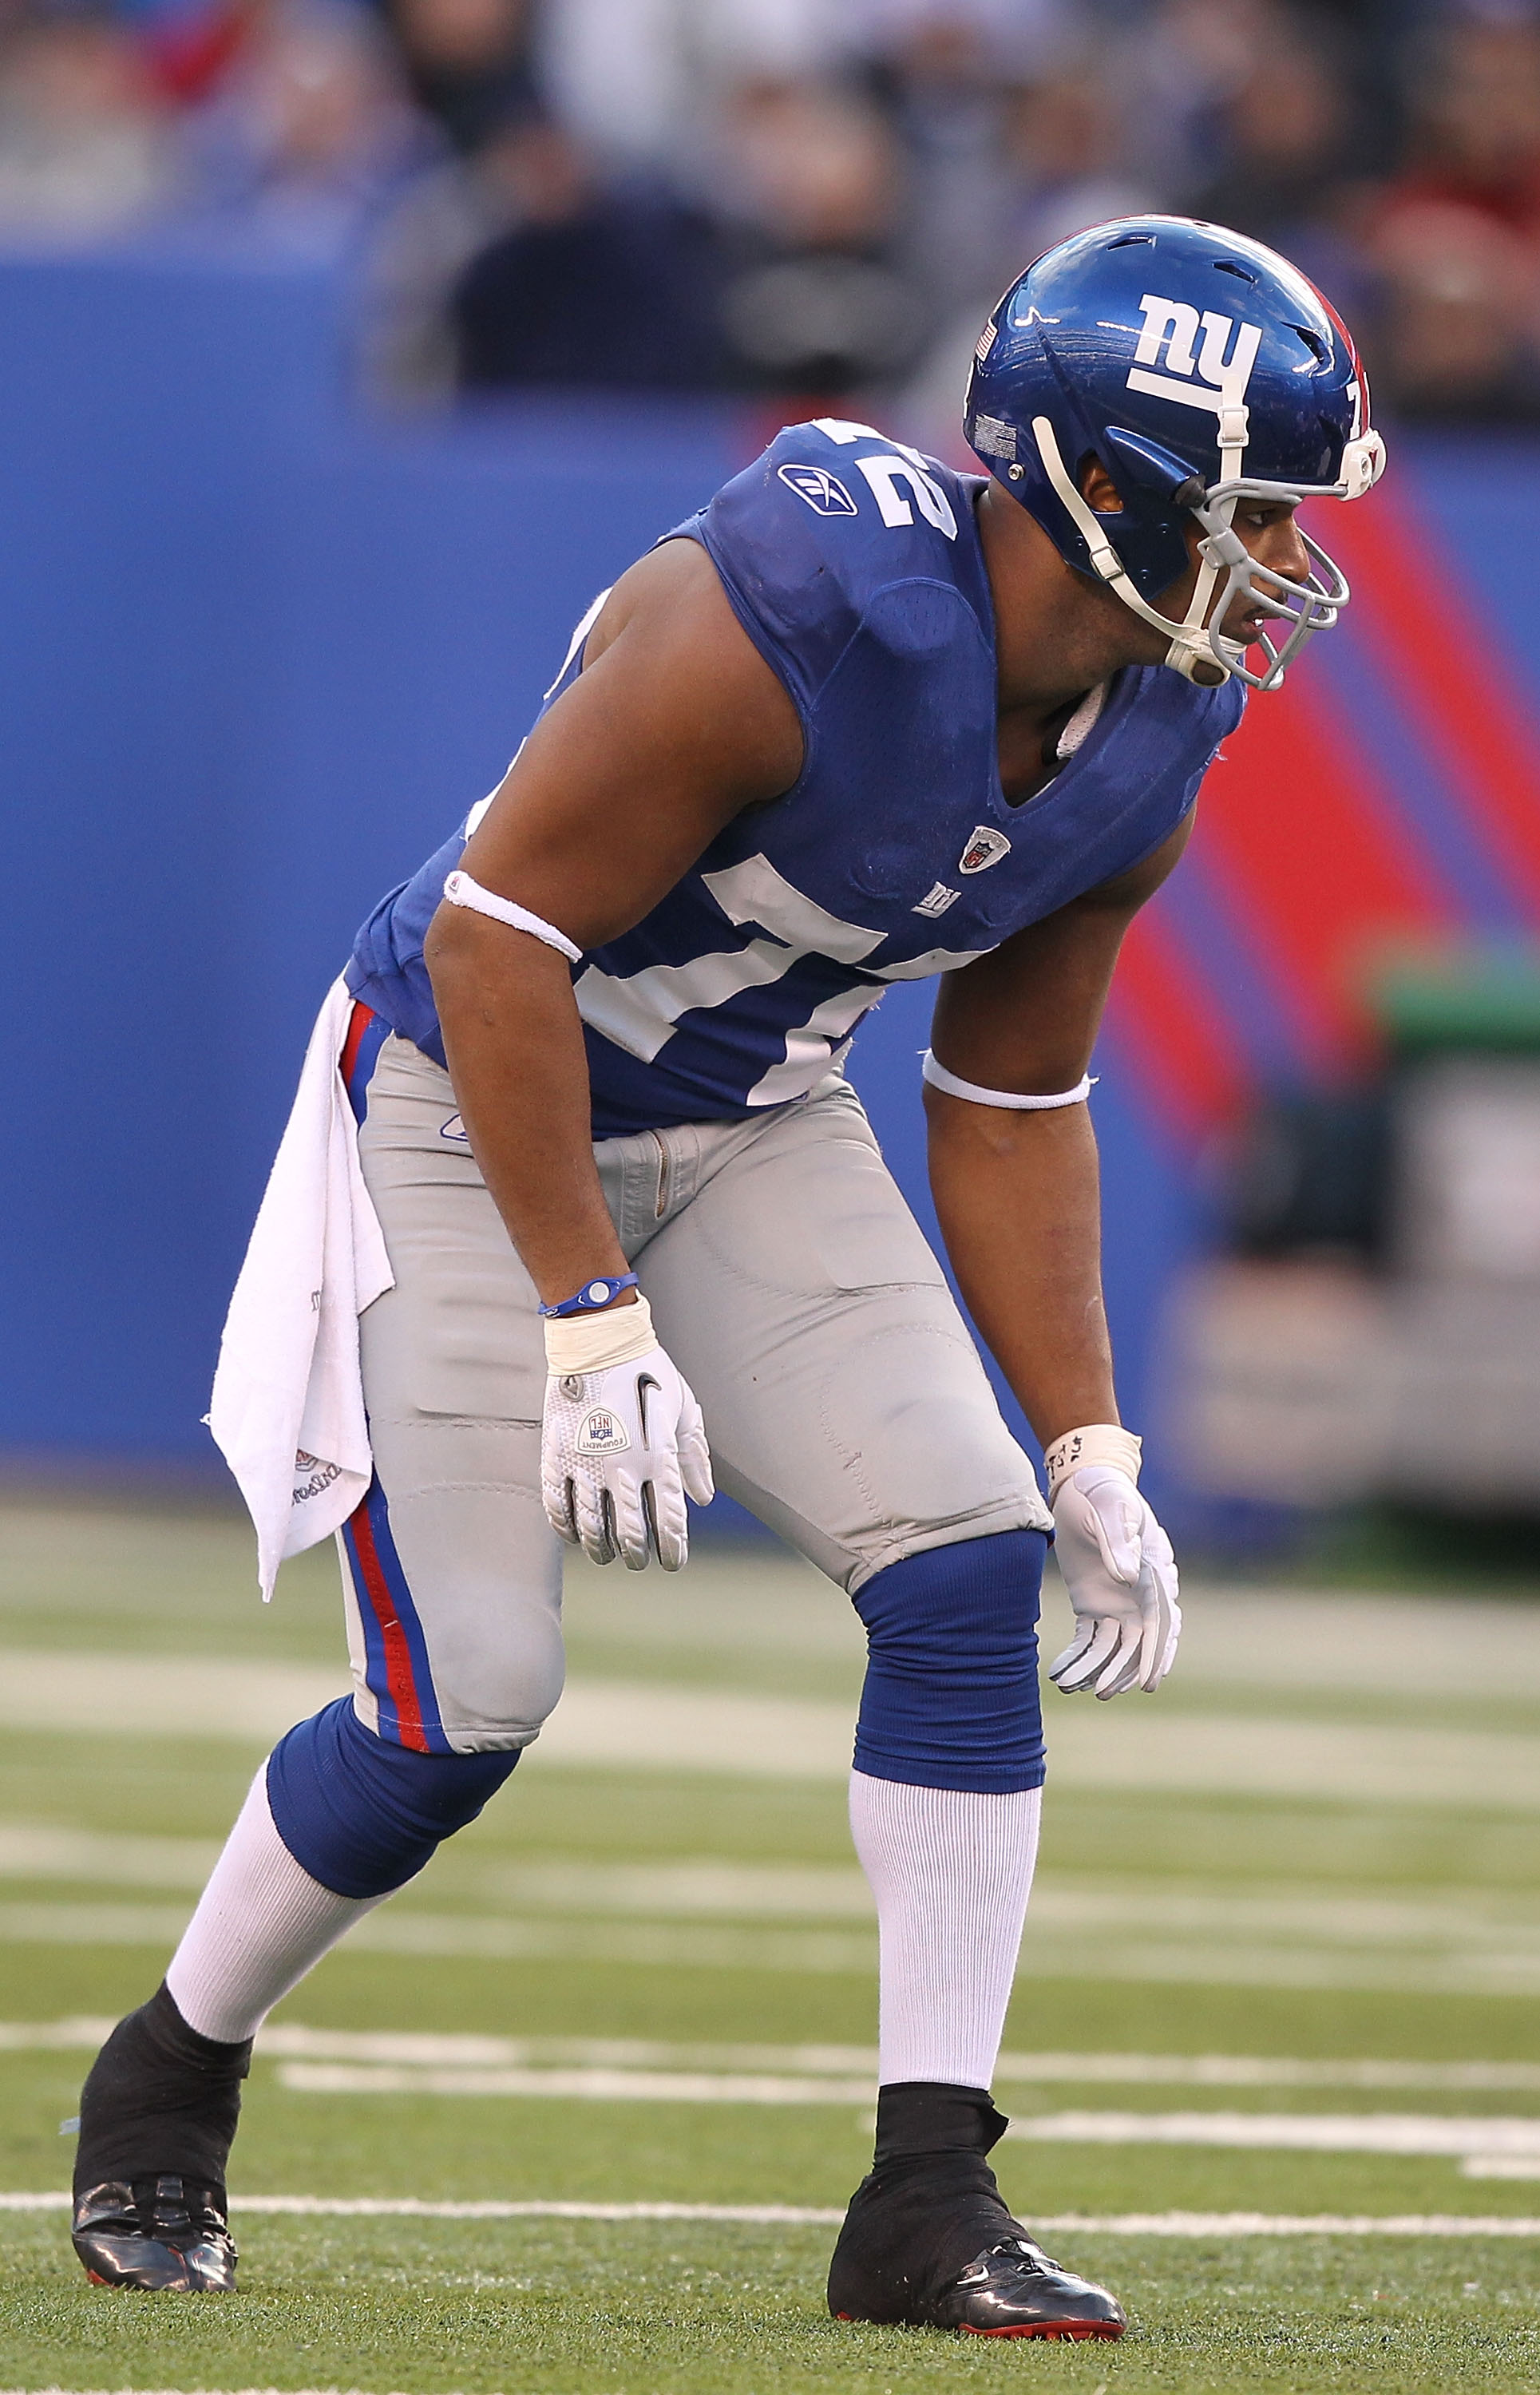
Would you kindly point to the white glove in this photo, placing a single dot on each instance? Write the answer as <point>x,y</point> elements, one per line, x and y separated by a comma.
<point>621,1441</point>
<point>1116,1565</point>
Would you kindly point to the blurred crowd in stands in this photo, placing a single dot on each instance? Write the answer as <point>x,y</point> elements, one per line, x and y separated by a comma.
<point>794,200</point>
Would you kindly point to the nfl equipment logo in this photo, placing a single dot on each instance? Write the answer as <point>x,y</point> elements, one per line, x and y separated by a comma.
<point>820,490</point>
<point>985,847</point>
<point>602,1434</point>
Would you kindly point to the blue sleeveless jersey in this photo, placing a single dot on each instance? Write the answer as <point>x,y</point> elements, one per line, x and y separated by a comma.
<point>854,567</point>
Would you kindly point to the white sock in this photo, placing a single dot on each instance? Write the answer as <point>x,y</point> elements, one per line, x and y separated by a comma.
<point>260,1925</point>
<point>951,1871</point>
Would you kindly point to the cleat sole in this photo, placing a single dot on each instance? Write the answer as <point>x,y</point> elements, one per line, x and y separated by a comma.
<point>1047,2332</point>
<point>1055,2332</point>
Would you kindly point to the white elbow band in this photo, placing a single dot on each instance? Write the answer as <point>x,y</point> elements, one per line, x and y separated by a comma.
<point>461,891</point>
<point>939,1078</point>
<point>1096,1443</point>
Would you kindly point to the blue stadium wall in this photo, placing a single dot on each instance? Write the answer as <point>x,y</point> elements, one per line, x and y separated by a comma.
<point>257,652</point>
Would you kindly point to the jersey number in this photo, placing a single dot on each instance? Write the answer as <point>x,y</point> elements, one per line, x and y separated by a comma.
<point>884,474</point>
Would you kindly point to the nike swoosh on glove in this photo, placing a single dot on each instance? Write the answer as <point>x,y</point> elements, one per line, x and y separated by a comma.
<point>621,1442</point>
<point>1121,1577</point>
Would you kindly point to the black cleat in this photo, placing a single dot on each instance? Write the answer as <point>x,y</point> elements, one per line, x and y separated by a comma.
<point>157,2114</point>
<point>1016,2290</point>
<point>157,2233</point>
<point>928,2242</point>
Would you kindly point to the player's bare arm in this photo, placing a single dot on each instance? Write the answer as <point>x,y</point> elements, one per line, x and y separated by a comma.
<point>1017,1193</point>
<point>674,725</point>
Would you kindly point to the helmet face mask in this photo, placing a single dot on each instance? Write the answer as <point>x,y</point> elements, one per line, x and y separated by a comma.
<point>1229,381</point>
<point>1306,607</point>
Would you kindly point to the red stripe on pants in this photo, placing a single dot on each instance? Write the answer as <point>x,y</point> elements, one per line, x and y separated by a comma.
<point>399,1677</point>
<point>358,1023</point>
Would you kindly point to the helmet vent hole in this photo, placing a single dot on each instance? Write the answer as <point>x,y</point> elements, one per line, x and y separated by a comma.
<point>1314,343</point>
<point>1232,266</point>
<point>1132,240</point>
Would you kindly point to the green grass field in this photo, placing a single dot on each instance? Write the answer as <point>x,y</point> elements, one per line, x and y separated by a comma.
<point>1303,1884</point>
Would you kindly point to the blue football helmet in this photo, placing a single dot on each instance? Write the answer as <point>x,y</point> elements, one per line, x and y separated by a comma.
<point>1202,370</point>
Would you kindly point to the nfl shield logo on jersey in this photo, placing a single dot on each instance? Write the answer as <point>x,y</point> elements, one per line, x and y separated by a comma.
<point>822,490</point>
<point>985,847</point>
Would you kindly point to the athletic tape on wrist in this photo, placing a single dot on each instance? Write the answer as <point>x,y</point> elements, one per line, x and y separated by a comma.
<point>1097,1443</point>
<point>591,1343</point>
<point>461,891</point>
<point>939,1078</point>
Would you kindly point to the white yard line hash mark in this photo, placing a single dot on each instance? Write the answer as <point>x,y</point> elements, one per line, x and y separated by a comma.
<point>437,2049</point>
<point>791,2215</point>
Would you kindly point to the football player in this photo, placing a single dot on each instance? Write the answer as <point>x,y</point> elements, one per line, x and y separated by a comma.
<point>862,719</point>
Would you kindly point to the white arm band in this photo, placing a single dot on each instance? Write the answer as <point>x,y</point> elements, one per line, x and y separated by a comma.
<point>939,1078</point>
<point>461,891</point>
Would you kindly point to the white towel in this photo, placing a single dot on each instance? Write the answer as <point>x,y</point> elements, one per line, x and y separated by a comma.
<point>287,1410</point>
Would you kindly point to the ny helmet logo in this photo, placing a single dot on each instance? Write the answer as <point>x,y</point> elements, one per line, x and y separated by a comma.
<point>818,489</point>
<point>1214,375</point>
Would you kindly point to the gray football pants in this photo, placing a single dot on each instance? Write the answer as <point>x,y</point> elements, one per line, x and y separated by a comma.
<point>844,1402</point>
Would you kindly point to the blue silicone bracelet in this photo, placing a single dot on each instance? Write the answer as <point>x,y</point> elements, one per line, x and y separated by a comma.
<point>594,1296</point>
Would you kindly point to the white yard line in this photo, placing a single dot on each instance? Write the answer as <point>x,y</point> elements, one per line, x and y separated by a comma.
<point>1115,2224</point>
<point>643,1726</point>
<point>707,1888</point>
<point>1485,1959</point>
<point>1460,1644</point>
<point>471,1937</point>
<point>295,2041</point>
<point>1479,2138</point>
<point>599,2087</point>
<point>1320,2132</point>
<point>162,1696</point>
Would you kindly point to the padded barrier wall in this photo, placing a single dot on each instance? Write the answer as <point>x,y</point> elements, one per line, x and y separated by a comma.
<point>257,652</point>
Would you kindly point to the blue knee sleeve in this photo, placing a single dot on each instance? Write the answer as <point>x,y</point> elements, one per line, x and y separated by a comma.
<point>951,1694</point>
<point>362,1816</point>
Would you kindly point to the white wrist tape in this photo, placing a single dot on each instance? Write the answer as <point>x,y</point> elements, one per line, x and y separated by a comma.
<point>1097,1443</point>
<point>461,891</point>
<point>939,1078</point>
<point>590,1343</point>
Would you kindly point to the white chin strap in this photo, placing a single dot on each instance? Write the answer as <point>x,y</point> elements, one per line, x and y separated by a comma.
<point>1199,648</point>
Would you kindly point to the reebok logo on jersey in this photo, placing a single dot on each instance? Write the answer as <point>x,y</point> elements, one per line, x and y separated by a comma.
<point>602,1434</point>
<point>454,1129</point>
<point>1216,378</point>
<point>818,489</point>
<point>985,847</point>
<point>935,901</point>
